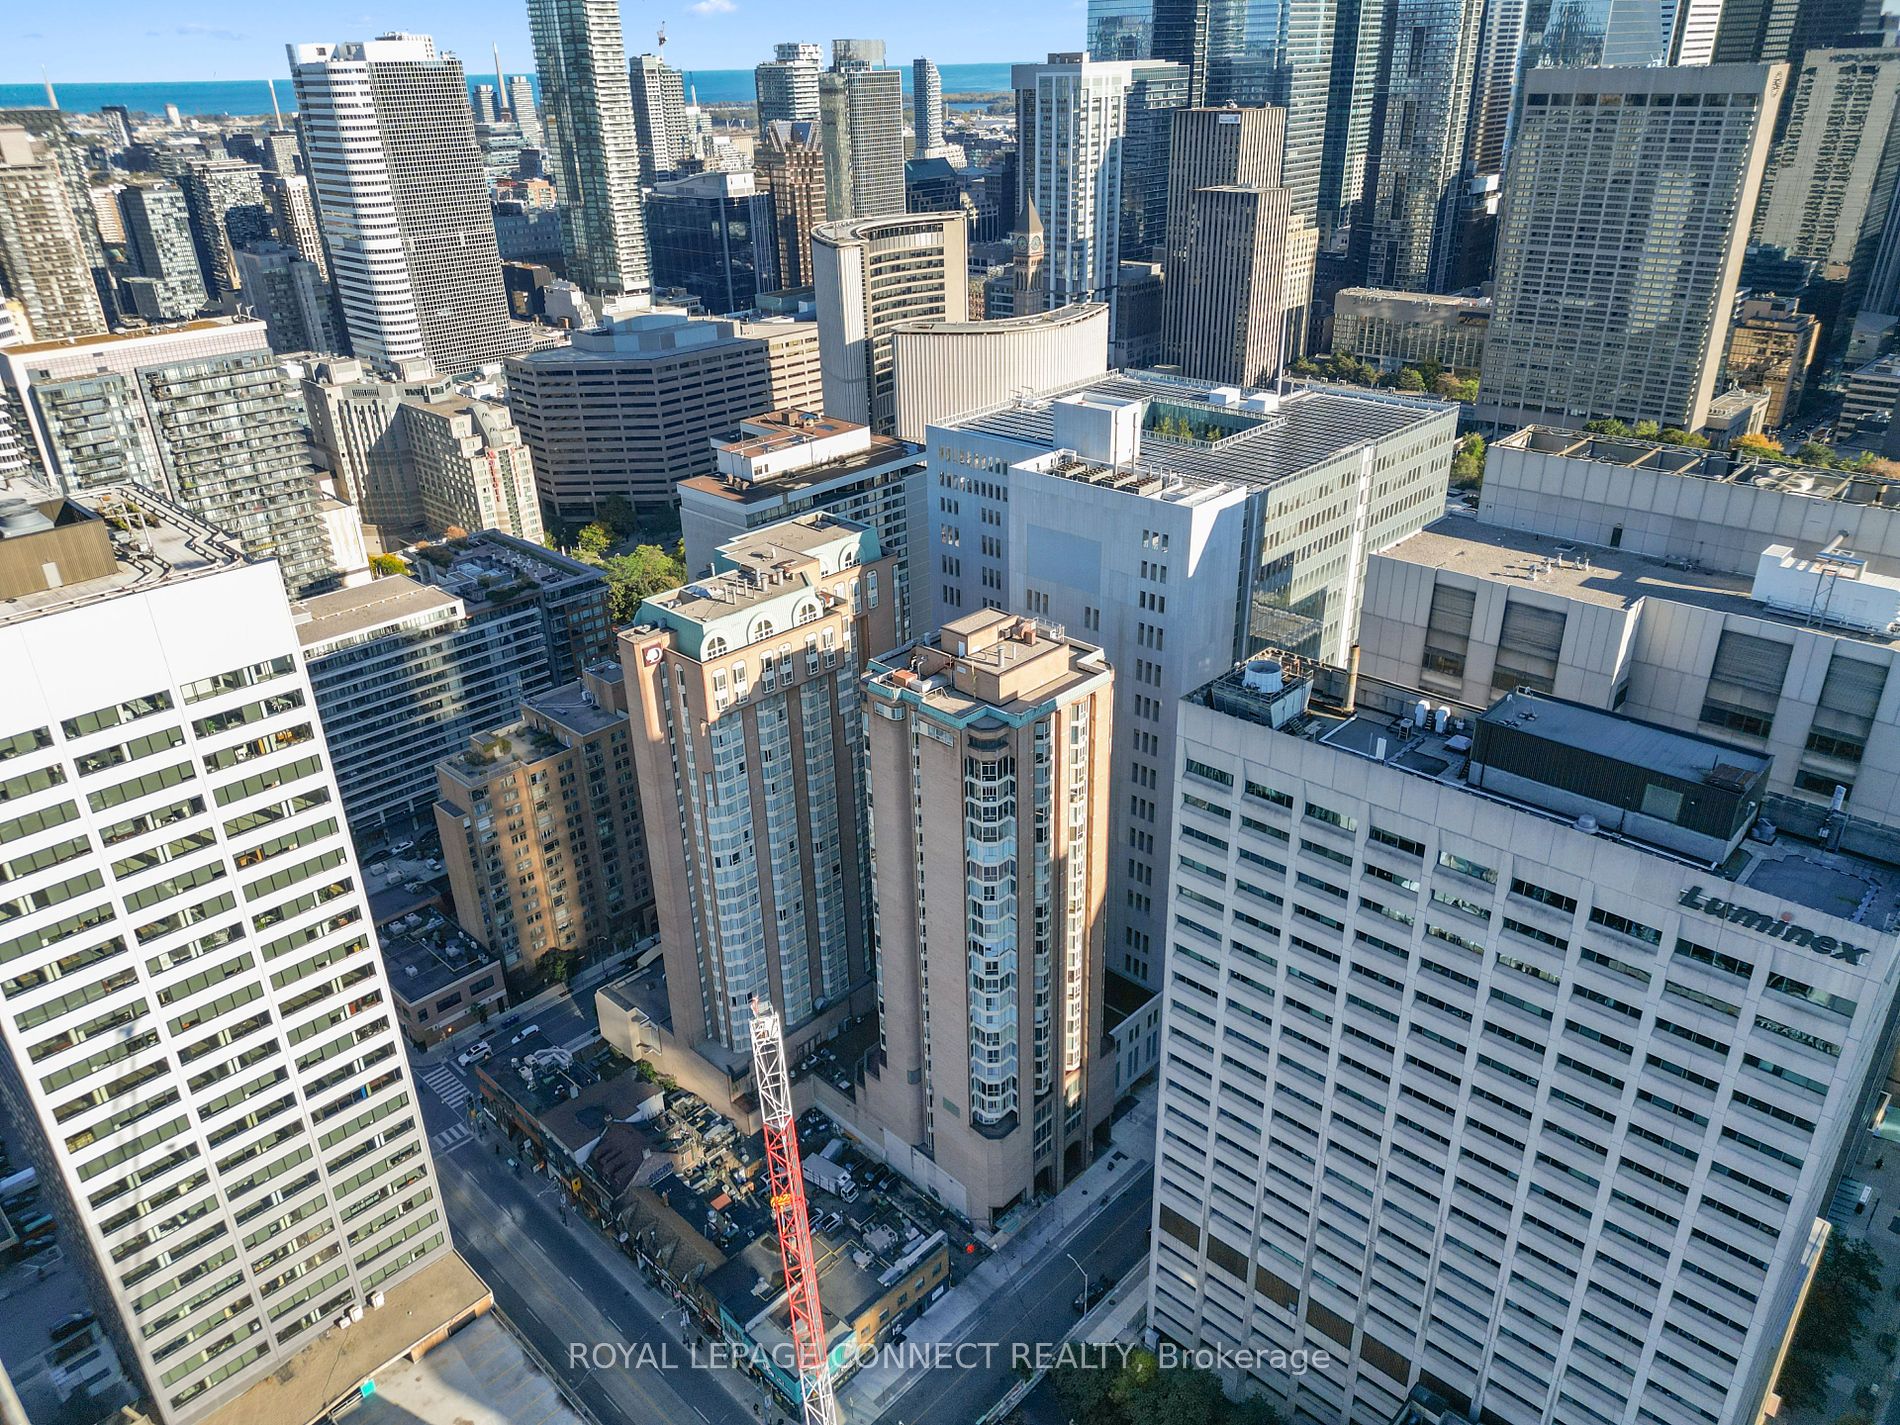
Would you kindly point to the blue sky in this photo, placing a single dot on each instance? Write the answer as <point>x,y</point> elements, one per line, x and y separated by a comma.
<point>129,40</point>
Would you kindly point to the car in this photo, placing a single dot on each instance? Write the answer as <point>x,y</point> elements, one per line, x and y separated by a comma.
<point>527,1033</point>
<point>69,1326</point>
<point>401,847</point>
<point>415,888</point>
<point>481,1049</point>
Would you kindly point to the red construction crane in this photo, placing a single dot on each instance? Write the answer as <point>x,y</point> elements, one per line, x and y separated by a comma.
<point>790,1215</point>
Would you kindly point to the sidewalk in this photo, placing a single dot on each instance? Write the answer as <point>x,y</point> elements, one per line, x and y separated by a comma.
<point>866,1395</point>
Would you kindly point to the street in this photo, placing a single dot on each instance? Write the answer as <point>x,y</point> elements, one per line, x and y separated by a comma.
<point>1037,1310</point>
<point>566,1283</point>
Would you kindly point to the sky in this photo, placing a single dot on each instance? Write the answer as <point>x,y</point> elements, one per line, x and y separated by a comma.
<point>129,40</point>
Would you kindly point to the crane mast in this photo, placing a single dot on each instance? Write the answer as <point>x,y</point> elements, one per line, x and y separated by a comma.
<point>790,1214</point>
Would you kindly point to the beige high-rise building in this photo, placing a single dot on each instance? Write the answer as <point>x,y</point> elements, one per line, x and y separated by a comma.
<point>789,163</point>
<point>472,469</point>
<point>990,774</point>
<point>1238,260</point>
<point>748,737</point>
<point>633,406</point>
<point>42,256</point>
<point>870,275</point>
<point>1625,316</point>
<point>540,824</point>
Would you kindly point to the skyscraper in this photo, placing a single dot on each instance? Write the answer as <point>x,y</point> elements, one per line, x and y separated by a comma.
<point>1248,276</point>
<point>42,253</point>
<point>487,106</point>
<point>1071,118</point>
<point>1346,136</point>
<point>1159,89</point>
<point>787,84</point>
<point>169,286</point>
<point>1404,237</point>
<point>1829,190</point>
<point>868,54</point>
<point>294,219</point>
<point>990,769</point>
<point>1625,317</point>
<point>403,201</point>
<point>171,806</point>
<point>713,235</point>
<point>524,111</point>
<point>926,105</point>
<point>473,471</point>
<point>202,415</point>
<point>226,202</point>
<point>659,116</point>
<point>768,850</point>
<point>870,275</point>
<point>789,162</point>
<point>291,297</point>
<point>1121,29</point>
<point>861,121</point>
<point>593,150</point>
<point>68,151</point>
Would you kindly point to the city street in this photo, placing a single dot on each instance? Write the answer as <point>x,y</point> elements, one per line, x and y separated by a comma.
<point>562,1282</point>
<point>1037,1309</point>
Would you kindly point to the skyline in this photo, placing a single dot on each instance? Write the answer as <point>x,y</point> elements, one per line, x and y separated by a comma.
<point>123,45</point>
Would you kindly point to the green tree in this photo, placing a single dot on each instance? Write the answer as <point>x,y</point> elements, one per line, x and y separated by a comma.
<point>383,565</point>
<point>1675,435</point>
<point>1607,426</point>
<point>1411,379</point>
<point>1845,1284</point>
<point>593,542</point>
<point>1429,371</point>
<point>1645,430</point>
<point>636,576</point>
<point>1467,466</point>
<point>1815,453</point>
<point>618,514</point>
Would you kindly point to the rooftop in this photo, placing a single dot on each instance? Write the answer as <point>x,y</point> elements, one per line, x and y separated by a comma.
<point>989,663</point>
<point>1225,437</point>
<point>1592,574</point>
<point>332,1368</point>
<point>780,561</point>
<point>40,348</point>
<point>491,567</point>
<point>479,1376</point>
<point>361,608</point>
<point>425,952</point>
<point>1788,477</point>
<point>1606,785</point>
<point>1075,314</point>
<point>124,539</point>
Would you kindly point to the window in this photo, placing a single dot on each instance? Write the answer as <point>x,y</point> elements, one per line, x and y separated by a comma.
<point>1528,646</point>
<point>1448,631</point>
<point>1845,712</point>
<point>1745,683</point>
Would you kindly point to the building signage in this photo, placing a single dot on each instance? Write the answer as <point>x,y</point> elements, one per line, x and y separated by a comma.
<point>1775,929</point>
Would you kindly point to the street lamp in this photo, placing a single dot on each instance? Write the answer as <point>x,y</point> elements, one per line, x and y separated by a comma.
<point>1085,1279</point>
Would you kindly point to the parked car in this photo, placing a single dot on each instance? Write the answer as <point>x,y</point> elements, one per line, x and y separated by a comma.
<point>481,1049</point>
<point>527,1033</point>
<point>69,1326</point>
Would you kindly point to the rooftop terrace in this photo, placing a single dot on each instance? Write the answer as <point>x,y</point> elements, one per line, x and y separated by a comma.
<point>1787,476</point>
<point>123,539</point>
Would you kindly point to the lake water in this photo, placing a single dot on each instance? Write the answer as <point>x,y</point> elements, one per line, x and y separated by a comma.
<point>252,96</point>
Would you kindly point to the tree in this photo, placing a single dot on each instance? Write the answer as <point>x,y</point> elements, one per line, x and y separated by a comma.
<point>635,577</point>
<point>1467,466</point>
<point>1814,453</point>
<point>618,514</point>
<point>1461,389</point>
<point>1676,435</point>
<point>1607,426</point>
<point>1845,1285</point>
<point>1758,446</point>
<point>1645,430</point>
<point>1410,379</point>
<point>383,565</point>
<point>593,542</point>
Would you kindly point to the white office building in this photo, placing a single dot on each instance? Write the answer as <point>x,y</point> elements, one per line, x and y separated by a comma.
<point>1498,1057</point>
<point>200,1045</point>
<point>1179,525</point>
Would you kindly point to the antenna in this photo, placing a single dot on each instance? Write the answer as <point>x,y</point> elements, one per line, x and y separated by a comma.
<point>662,39</point>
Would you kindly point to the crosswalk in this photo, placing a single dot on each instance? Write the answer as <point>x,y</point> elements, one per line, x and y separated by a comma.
<point>452,1138</point>
<point>447,1085</point>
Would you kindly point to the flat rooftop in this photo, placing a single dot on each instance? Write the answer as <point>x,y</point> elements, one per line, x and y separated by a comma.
<point>336,615</point>
<point>40,348</point>
<point>1859,889</point>
<point>571,706</point>
<point>884,452</point>
<point>152,542</point>
<point>333,1367</point>
<point>1788,477</point>
<point>1589,573</point>
<point>1310,425</point>
<point>425,952</point>
<point>490,564</point>
<point>479,1376</point>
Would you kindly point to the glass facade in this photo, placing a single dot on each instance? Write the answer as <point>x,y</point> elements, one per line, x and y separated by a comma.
<point>720,246</point>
